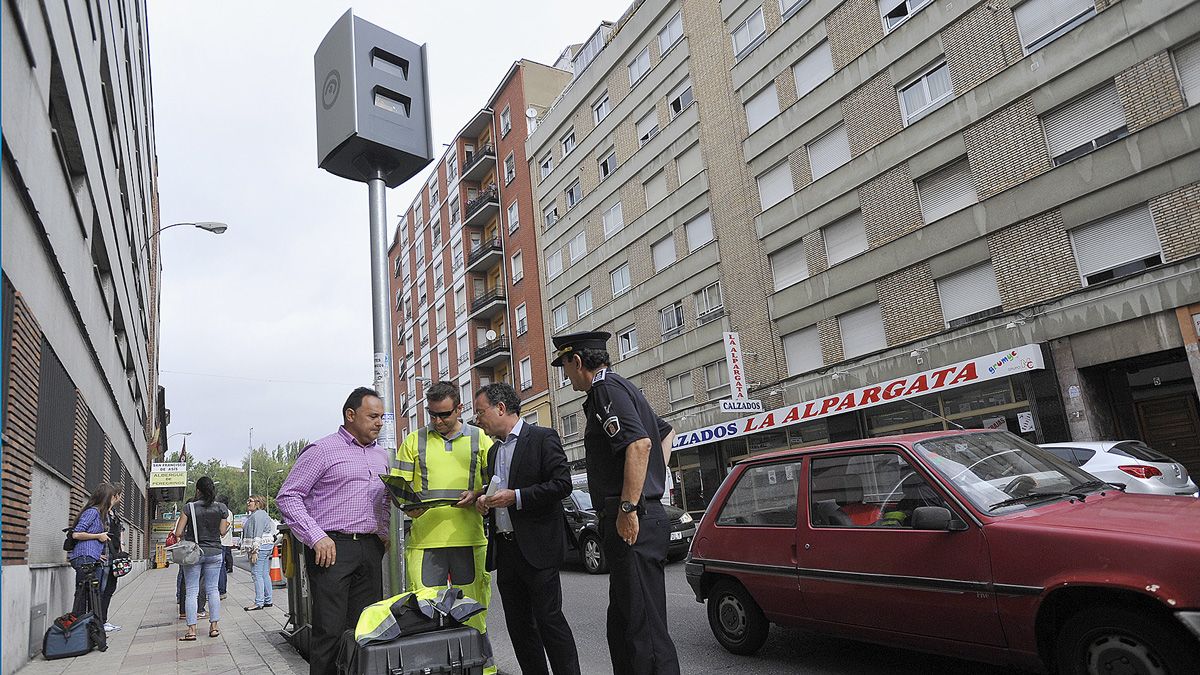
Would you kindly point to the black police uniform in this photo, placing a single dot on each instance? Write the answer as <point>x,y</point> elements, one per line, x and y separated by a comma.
<point>617,415</point>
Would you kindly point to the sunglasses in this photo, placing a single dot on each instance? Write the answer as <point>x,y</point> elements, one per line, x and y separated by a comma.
<point>443,415</point>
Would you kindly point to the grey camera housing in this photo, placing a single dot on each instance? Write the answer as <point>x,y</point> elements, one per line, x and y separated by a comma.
<point>372,101</point>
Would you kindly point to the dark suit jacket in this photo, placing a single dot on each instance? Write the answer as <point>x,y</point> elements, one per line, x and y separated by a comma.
<point>539,470</point>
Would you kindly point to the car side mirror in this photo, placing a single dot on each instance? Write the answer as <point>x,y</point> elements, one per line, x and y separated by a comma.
<point>936,518</point>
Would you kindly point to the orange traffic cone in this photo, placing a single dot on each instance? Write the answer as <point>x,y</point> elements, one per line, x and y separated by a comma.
<point>276,568</point>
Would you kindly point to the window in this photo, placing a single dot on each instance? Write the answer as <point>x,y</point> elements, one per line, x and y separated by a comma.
<point>1187,65</point>
<point>620,279</point>
<point>613,219</point>
<point>452,166</point>
<point>600,108</point>
<point>663,253</point>
<point>514,217</point>
<point>577,247</point>
<point>716,375</point>
<point>531,419</point>
<point>570,425</point>
<point>439,276</point>
<point>456,255</point>
<point>574,194</point>
<point>444,362</point>
<point>802,350</point>
<point>460,301</point>
<point>670,34</point>
<point>775,185</point>
<point>505,121</point>
<point>699,231</point>
<point>708,302</point>
<point>522,319</point>
<point>561,318</point>
<point>829,151</point>
<point>627,342</point>
<point>434,197</point>
<point>689,163</point>
<point>464,348</point>
<point>435,234</point>
<point>747,33</point>
<point>1040,22</point>
<point>946,191</point>
<point>563,380</point>
<point>765,496</point>
<point>968,295</point>
<point>845,238</point>
<point>671,318</point>
<point>547,164</point>
<point>921,96</point>
<point>510,168</point>
<point>464,393</point>
<point>681,98</point>
<point>853,491</point>
<point>423,331</point>
<point>550,215</point>
<point>56,401</point>
<point>788,265</point>
<point>583,302</point>
<point>567,142</point>
<point>656,188</point>
<point>455,212</point>
<point>679,388</point>
<point>639,66</point>
<point>608,164</point>
<point>1118,245</point>
<point>1089,122</point>
<point>896,12</point>
<point>762,107</point>
<point>862,331</point>
<point>813,69</point>
<point>554,264</point>
<point>647,127</point>
<point>787,7</point>
<point>526,369</point>
<point>518,270</point>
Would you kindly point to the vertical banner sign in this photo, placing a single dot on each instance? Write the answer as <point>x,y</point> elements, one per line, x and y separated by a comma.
<point>387,435</point>
<point>733,360</point>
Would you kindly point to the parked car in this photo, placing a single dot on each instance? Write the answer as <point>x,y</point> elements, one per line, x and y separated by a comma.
<point>1133,464</point>
<point>974,544</point>
<point>583,532</point>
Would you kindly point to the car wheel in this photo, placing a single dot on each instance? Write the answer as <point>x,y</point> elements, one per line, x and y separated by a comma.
<point>1108,639</point>
<point>735,619</point>
<point>592,554</point>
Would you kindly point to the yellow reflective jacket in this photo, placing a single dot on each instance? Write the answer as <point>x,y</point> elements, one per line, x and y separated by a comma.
<point>442,469</point>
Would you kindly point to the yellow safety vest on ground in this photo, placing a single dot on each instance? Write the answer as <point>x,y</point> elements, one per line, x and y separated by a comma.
<point>443,469</point>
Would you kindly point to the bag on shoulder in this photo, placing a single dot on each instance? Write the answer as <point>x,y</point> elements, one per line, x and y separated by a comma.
<point>121,564</point>
<point>187,552</point>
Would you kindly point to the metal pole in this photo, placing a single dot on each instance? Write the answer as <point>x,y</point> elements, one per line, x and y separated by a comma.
<point>383,364</point>
<point>250,468</point>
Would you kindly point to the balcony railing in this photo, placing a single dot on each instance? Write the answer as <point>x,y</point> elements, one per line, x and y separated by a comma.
<point>489,349</point>
<point>479,162</point>
<point>482,206</point>
<point>483,250</point>
<point>487,298</point>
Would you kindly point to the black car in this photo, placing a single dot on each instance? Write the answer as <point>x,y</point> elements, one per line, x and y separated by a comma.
<point>583,534</point>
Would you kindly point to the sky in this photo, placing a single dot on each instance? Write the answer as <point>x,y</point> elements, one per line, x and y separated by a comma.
<point>268,326</point>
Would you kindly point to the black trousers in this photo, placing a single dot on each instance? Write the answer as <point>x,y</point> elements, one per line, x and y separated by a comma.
<point>533,612</point>
<point>110,587</point>
<point>638,641</point>
<point>340,592</point>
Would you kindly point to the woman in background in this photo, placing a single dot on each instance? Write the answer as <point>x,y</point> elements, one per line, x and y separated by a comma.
<point>210,524</point>
<point>258,539</point>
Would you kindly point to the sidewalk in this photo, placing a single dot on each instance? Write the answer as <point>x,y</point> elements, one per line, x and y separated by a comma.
<point>148,642</point>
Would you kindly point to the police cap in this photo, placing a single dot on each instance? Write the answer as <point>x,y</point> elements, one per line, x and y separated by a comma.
<point>564,345</point>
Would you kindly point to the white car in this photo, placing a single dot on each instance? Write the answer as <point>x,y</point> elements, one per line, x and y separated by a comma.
<point>1132,463</point>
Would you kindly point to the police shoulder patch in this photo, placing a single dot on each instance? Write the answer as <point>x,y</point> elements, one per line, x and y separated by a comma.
<point>612,426</point>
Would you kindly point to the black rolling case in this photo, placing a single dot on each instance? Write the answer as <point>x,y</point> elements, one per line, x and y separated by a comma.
<point>456,650</point>
<point>76,635</point>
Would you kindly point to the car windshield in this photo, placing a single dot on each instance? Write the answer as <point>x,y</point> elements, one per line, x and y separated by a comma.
<point>1001,473</point>
<point>583,499</point>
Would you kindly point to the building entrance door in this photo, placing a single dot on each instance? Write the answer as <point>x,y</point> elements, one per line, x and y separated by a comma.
<point>1171,425</point>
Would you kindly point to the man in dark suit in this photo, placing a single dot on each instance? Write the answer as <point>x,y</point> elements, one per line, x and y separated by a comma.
<point>523,505</point>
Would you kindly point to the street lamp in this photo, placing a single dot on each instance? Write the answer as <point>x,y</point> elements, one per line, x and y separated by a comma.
<point>206,225</point>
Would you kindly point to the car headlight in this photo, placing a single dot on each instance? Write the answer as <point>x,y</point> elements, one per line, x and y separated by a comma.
<point>686,518</point>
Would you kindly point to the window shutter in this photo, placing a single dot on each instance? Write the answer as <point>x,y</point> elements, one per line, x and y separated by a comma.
<point>689,163</point>
<point>663,253</point>
<point>862,331</point>
<point>789,266</point>
<point>699,231</point>
<point>967,292</point>
<point>802,350</point>
<point>775,186</point>
<point>946,191</point>
<point>762,108</point>
<point>1084,119</point>
<point>845,239</point>
<point>813,69</point>
<point>1115,240</point>
<point>1038,18</point>
<point>656,188</point>
<point>829,151</point>
<point>1187,60</point>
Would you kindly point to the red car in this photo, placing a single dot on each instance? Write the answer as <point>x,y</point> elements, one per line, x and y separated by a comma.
<point>974,544</point>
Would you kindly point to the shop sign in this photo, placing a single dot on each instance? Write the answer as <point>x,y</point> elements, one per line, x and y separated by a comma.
<point>168,475</point>
<point>737,374</point>
<point>742,405</point>
<point>991,367</point>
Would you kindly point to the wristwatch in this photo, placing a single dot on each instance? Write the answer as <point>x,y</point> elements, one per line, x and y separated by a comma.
<point>628,507</point>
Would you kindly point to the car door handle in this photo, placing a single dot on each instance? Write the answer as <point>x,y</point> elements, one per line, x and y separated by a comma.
<point>794,559</point>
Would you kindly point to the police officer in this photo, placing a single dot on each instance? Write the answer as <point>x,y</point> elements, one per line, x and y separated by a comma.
<point>626,445</point>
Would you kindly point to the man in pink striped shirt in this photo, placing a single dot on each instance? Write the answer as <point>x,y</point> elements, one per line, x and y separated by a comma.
<point>336,505</point>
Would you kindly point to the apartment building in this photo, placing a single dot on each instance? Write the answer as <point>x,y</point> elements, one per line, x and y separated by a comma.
<point>467,304</point>
<point>82,402</point>
<point>914,214</point>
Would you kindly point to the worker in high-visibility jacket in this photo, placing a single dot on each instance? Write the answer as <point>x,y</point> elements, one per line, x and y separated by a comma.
<point>447,460</point>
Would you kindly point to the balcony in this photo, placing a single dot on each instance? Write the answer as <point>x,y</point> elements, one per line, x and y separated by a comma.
<point>488,304</point>
<point>485,256</point>
<point>490,354</point>
<point>481,209</point>
<point>479,163</point>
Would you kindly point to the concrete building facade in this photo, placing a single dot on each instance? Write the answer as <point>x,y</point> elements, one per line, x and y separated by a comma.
<point>870,189</point>
<point>81,271</point>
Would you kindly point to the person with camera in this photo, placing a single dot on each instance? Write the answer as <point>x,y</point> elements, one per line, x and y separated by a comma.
<point>90,535</point>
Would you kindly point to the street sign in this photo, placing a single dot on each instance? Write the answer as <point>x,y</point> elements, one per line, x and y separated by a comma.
<point>168,475</point>
<point>738,386</point>
<point>741,405</point>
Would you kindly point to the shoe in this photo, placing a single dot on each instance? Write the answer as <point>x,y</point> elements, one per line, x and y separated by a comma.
<point>201,615</point>
<point>268,604</point>
<point>222,596</point>
<point>111,628</point>
<point>253,608</point>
